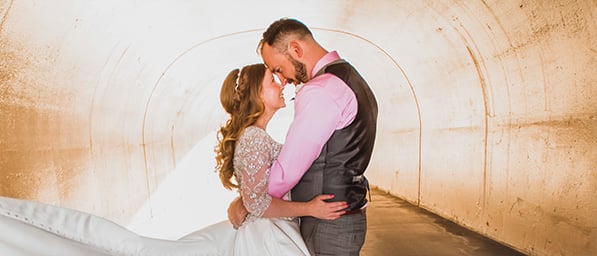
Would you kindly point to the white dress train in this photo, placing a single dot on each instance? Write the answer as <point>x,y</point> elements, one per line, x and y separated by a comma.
<point>35,229</point>
<point>31,229</point>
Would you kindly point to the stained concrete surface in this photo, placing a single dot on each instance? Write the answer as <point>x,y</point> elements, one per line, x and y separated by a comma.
<point>487,108</point>
<point>397,227</point>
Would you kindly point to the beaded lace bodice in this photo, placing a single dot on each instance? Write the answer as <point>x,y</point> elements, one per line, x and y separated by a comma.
<point>255,151</point>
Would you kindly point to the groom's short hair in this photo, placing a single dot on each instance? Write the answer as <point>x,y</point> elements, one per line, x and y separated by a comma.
<point>276,34</point>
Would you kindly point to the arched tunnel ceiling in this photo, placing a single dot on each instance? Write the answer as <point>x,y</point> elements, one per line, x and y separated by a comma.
<point>105,103</point>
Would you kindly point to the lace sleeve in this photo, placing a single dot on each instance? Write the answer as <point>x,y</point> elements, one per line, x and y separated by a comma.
<point>254,155</point>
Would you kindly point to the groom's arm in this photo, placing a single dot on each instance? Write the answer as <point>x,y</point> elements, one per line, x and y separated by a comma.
<point>319,111</point>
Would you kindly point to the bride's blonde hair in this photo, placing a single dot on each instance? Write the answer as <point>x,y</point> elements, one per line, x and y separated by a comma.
<point>240,97</point>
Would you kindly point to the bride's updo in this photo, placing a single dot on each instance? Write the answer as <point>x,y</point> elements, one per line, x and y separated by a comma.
<point>240,97</point>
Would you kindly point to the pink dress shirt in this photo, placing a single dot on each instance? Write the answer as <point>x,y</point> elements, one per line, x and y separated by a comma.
<point>321,106</point>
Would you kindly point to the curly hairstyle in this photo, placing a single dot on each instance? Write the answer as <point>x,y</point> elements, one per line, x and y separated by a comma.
<point>240,97</point>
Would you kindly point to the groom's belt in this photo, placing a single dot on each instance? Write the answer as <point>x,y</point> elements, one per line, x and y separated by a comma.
<point>355,211</point>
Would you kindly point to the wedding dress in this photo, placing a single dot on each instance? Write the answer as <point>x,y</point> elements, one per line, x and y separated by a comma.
<point>30,229</point>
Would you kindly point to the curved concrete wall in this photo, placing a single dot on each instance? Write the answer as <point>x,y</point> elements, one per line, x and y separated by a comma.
<point>487,108</point>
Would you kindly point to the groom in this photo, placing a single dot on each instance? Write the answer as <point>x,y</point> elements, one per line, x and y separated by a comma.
<point>330,141</point>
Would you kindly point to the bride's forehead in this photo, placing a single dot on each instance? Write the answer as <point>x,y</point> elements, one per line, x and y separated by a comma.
<point>268,74</point>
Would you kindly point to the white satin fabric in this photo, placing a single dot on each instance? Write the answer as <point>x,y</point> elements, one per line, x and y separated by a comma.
<point>29,228</point>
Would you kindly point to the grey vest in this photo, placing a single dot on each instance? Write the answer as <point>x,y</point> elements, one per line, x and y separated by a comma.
<point>340,166</point>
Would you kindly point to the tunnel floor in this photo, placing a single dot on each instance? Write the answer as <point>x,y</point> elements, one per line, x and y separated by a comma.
<point>396,227</point>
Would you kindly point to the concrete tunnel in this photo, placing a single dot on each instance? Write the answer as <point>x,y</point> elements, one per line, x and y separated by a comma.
<point>488,113</point>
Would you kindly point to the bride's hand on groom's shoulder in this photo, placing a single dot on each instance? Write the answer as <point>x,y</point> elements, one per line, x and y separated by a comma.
<point>237,213</point>
<point>321,209</point>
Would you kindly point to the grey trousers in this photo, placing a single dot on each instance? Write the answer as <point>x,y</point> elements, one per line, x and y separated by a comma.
<point>343,236</point>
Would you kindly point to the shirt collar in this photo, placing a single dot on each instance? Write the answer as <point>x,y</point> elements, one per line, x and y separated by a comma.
<point>326,59</point>
<point>329,57</point>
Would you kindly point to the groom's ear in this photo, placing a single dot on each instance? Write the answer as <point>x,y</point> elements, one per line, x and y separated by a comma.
<point>295,49</point>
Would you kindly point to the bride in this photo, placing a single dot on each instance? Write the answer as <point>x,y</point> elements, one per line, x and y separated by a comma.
<point>245,151</point>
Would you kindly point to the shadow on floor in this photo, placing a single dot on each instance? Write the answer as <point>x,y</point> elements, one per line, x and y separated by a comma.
<point>396,227</point>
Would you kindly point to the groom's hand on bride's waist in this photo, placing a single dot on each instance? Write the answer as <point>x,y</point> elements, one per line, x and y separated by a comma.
<point>237,212</point>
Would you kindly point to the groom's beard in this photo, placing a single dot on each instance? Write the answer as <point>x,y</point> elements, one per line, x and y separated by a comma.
<point>300,70</point>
